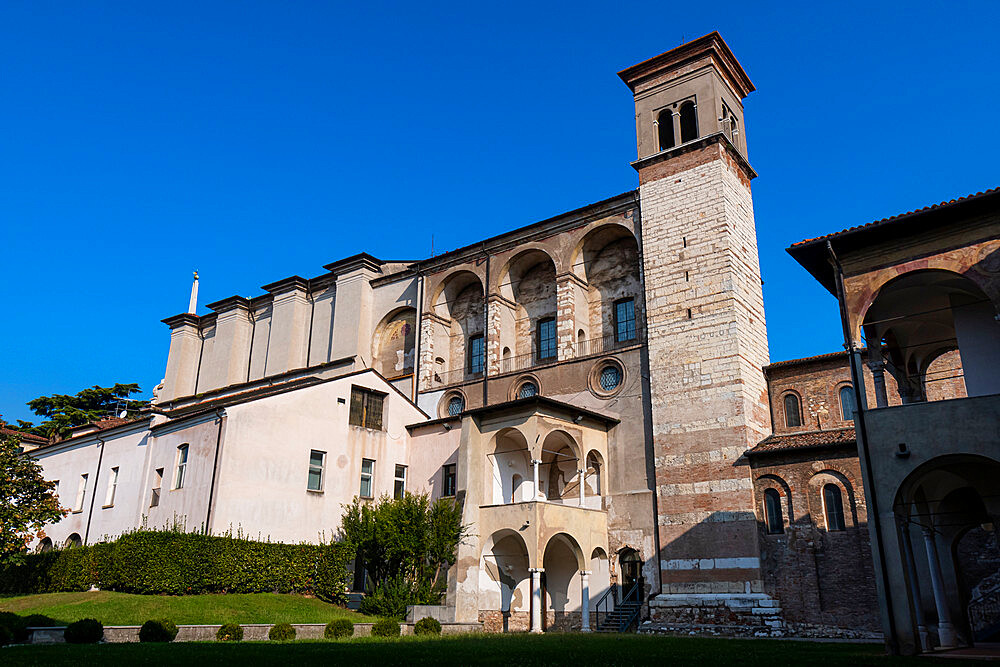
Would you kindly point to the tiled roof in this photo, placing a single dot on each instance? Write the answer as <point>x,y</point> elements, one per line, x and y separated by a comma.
<point>806,440</point>
<point>25,437</point>
<point>895,218</point>
<point>803,360</point>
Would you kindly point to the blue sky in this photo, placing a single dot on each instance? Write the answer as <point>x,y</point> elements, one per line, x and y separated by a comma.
<point>252,141</point>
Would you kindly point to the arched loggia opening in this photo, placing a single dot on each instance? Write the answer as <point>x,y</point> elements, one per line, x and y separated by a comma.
<point>504,579</point>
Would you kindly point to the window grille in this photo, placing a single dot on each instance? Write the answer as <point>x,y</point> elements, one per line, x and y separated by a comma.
<point>624,320</point>
<point>366,408</point>
<point>527,390</point>
<point>611,377</point>
<point>367,475</point>
<point>455,406</point>
<point>316,465</point>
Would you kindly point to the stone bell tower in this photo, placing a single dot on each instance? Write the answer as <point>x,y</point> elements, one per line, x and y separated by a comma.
<point>706,332</point>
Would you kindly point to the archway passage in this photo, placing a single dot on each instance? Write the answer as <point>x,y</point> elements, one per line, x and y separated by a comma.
<point>921,316</point>
<point>948,511</point>
<point>505,582</point>
<point>563,583</point>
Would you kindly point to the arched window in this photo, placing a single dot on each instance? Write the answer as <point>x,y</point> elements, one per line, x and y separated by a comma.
<point>74,540</point>
<point>44,546</point>
<point>772,512</point>
<point>833,507</point>
<point>847,403</point>
<point>793,415</point>
<point>665,129</point>
<point>455,405</point>
<point>689,122</point>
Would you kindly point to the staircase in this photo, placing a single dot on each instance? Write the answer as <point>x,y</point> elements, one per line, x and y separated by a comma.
<point>617,612</point>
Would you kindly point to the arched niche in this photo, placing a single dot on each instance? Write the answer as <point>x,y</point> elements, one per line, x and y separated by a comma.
<point>509,458</point>
<point>393,345</point>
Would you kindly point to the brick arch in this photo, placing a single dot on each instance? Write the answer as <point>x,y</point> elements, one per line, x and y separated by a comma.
<point>781,404</point>
<point>845,481</point>
<point>784,489</point>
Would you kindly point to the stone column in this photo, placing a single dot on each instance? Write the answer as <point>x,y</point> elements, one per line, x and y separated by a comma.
<point>583,493</point>
<point>877,367</point>
<point>536,598</point>
<point>534,464</point>
<point>911,571</point>
<point>946,631</point>
<point>585,601</point>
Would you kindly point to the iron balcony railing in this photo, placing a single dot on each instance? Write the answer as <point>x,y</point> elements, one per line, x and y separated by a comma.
<point>455,376</point>
<point>605,344</point>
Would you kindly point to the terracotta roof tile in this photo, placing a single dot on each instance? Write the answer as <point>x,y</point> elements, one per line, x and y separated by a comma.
<point>806,440</point>
<point>25,437</point>
<point>893,218</point>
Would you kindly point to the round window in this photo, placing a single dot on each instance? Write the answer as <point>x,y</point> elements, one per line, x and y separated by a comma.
<point>527,390</point>
<point>611,377</point>
<point>455,405</point>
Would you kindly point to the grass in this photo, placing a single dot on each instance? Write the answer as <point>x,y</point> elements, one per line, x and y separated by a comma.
<point>126,609</point>
<point>506,650</point>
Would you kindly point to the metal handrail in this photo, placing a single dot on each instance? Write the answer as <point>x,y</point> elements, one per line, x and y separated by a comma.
<point>608,605</point>
<point>455,376</point>
<point>633,594</point>
<point>606,343</point>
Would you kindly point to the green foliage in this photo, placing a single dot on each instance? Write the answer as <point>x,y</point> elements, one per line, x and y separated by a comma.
<point>84,631</point>
<point>385,627</point>
<point>157,631</point>
<point>176,563</point>
<point>427,626</point>
<point>15,625</point>
<point>230,632</point>
<point>40,621</point>
<point>281,632</point>
<point>27,501</point>
<point>63,411</point>
<point>6,636</point>
<point>338,629</point>
<point>405,544</point>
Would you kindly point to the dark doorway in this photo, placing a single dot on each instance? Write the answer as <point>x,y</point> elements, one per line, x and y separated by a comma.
<point>631,566</point>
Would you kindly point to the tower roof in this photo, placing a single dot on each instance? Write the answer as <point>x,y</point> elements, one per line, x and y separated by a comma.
<point>711,45</point>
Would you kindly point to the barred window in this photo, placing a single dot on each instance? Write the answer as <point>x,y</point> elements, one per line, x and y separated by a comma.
<point>455,406</point>
<point>611,377</point>
<point>624,320</point>
<point>366,408</point>
<point>476,355</point>
<point>527,390</point>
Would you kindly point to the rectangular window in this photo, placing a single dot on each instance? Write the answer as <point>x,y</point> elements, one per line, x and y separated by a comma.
<point>476,355</point>
<point>109,499</point>
<point>547,338</point>
<point>399,485</point>
<point>81,493</point>
<point>448,480</point>
<point>366,408</point>
<point>624,320</point>
<point>367,476</point>
<point>154,500</point>
<point>316,461</point>
<point>182,459</point>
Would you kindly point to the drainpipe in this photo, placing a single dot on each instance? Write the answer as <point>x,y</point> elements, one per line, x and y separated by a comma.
<point>420,325</point>
<point>875,521</point>
<point>219,414</point>
<point>93,492</point>
<point>486,329</point>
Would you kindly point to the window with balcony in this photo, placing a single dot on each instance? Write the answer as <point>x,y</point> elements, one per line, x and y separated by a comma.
<point>546,333</point>
<point>625,320</point>
<point>366,408</point>
<point>477,355</point>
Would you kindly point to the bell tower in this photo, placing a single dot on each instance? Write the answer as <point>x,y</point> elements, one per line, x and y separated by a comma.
<point>706,331</point>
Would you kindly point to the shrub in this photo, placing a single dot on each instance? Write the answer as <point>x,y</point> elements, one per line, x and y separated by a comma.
<point>338,629</point>
<point>41,621</point>
<point>427,626</point>
<point>390,598</point>
<point>16,627</point>
<point>230,632</point>
<point>281,632</point>
<point>385,627</point>
<point>84,631</point>
<point>6,636</point>
<point>157,631</point>
<point>175,563</point>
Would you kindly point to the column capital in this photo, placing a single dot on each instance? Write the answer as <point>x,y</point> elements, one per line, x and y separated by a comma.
<point>876,365</point>
<point>534,570</point>
<point>586,572</point>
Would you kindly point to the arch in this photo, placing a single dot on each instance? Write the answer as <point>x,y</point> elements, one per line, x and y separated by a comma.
<point>452,404</point>
<point>504,579</point>
<point>508,456</point>
<point>665,129</point>
<point>563,560</point>
<point>791,406</point>
<point>847,407</point>
<point>915,317</point>
<point>689,121</point>
<point>600,573</point>
<point>833,507</point>
<point>44,545</point>
<point>74,540</point>
<point>595,473</point>
<point>773,515</point>
<point>849,501</point>
<point>518,388</point>
<point>561,458</point>
<point>458,334</point>
<point>527,318</point>
<point>394,341</point>
<point>446,293</point>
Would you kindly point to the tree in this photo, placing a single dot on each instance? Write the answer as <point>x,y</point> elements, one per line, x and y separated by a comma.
<point>27,501</point>
<point>404,545</point>
<point>63,411</point>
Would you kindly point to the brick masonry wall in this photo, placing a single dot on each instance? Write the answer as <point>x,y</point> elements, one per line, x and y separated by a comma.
<point>707,345</point>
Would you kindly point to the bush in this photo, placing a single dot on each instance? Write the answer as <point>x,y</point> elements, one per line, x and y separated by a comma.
<point>338,629</point>
<point>385,627</point>
<point>41,621</point>
<point>15,626</point>
<point>390,598</point>
<point>230,632</point>
<point>157,631</point>
<point>6,636</point>
<point>427,626</point>
<point>175,563</point>
<point>84,631</point>
<point>281,632</point>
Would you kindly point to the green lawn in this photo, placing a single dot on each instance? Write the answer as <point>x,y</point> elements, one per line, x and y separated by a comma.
<point>125,609</point>
<point>551,649</point>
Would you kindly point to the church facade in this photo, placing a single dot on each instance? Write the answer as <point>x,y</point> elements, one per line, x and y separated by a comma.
<point>594,389</point>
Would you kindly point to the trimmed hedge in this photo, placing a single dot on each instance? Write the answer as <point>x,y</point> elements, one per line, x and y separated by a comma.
<point>385,627</point>
<point>427,626</point>
<point>157,631</point>
<point>339,628</point>
<point>84,631</point>
<point>230,632</point>
<point>175,563</point>
<point>281,632</point>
